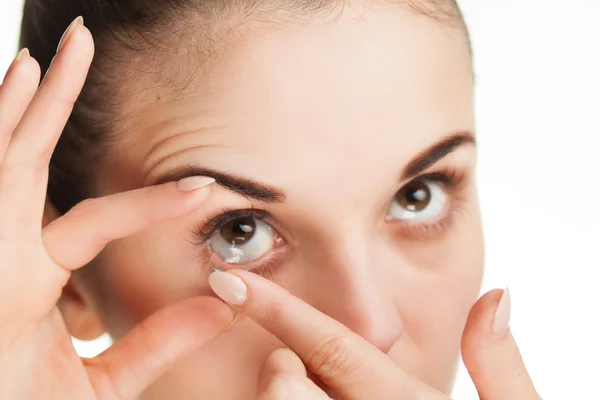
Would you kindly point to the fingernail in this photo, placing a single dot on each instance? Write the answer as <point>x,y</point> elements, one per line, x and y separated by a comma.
<point>22,54</point>
<point>502,317</point>
<point>229,288</point>
<point>77,22</point>
<point>192,183</point>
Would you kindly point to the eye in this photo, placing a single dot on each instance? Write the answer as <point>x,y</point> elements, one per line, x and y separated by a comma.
<point>418,200</point>
<point>242,241</point>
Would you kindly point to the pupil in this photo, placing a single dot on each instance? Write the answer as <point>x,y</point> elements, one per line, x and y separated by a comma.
<point>415,196</point>
<point>238,231</point>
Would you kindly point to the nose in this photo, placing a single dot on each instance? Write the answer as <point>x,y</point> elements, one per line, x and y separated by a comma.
<point>354,292</point>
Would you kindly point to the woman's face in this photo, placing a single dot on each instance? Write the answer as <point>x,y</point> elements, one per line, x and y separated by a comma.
<point>345,159</point>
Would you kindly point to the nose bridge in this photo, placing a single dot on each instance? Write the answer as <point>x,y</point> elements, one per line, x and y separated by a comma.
<point>352,287</point>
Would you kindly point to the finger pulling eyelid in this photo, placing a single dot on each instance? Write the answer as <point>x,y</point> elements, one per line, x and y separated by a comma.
<point>246,187</point>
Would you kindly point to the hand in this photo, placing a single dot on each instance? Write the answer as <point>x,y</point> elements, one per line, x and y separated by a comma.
<point>352,367</point>
<point>283,376</point>
<point>37,358</point>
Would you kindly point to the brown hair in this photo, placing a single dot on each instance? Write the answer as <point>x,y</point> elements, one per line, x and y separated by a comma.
<point>131,33</point>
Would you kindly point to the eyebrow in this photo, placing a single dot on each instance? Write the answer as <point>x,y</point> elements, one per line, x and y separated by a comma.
<point>262,192</point>
<point>435,153</point>
<point>246,187</point>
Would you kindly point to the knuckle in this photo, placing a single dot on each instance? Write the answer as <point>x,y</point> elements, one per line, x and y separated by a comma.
<point>519,371</point>
<point>333,357</point>
<point>19,169</point>
<point>61,98</point>
<point>65,101</point>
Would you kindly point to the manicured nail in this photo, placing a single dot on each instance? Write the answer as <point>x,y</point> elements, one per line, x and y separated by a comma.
<point>192,183</point>
<point>229,288</point>
<point>502,317</point>
<point>22,54</point>
<point>65,37</point>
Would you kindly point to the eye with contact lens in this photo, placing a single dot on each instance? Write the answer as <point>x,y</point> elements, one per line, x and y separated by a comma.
<point>239,243</point>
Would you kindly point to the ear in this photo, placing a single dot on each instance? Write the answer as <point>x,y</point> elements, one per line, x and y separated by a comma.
<point>75,305</point>
<point>81,319</point>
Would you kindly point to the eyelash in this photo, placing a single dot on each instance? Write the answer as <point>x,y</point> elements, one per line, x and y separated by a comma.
<point>212,225</point>
<point>451,179</point>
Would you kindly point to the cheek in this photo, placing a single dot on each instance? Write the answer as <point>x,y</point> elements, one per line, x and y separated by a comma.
<point>145,272</point>
<point>442,283</point>
<point>446,279</point>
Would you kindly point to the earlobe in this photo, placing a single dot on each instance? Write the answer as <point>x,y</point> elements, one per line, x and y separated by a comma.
<point>81,319</point>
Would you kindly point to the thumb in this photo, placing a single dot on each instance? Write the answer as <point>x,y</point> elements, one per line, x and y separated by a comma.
<point>491,354</point>
<point>283,376</point>
<point>154,346</point>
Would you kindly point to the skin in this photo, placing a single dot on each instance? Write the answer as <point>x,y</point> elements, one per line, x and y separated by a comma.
<point>395,300</point>
<point>278,95</point>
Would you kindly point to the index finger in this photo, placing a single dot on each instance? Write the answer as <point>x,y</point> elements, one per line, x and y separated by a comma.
<point>343,360</point>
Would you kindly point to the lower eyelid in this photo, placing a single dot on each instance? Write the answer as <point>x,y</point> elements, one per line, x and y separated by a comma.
<point>269,267</point>
<point>427,230</point>
<point>433,229</point>
<point>273,256</point>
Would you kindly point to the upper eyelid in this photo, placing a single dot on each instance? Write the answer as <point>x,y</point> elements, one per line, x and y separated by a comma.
<point>213,224</point>
<point>443,177</point>
<point>450,177</point>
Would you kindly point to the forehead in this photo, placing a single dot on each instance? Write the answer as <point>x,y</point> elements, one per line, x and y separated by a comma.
<point>371,89</point>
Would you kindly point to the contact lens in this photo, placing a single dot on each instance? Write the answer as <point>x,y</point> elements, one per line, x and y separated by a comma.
<point>228,259</point>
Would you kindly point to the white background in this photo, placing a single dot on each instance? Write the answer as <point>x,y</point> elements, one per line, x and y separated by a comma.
<point>538,108</point>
